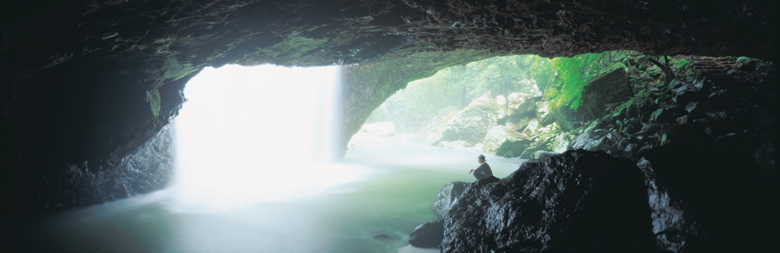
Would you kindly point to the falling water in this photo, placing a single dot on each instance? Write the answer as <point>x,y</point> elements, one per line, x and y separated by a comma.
<point>256,134</point>
<point>253,176</point>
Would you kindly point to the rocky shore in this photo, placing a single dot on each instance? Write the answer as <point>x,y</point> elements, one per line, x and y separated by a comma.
<point>683,164</point>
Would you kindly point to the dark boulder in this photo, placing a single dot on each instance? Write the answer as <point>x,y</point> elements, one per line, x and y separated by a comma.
<point>705,201</point>
<point>428,235</point>
<point>577,201</point>
<point>608,89</point>
<point>447,196</point>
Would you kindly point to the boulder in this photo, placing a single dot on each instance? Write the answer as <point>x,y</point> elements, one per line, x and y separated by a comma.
<point>543,112</point>
<point>528,153</point>
<point>520,114</point>
<point>562,142</point>
<point>472,123</point>
<point>532,128</point>
<point>607,89</point>
<point>576,201</point>
<point>511,149</point>
<point>448,195</point>
<point>428,235</point>
<point>703,201</point>
<point>498,135</point>
<point>541,154</point>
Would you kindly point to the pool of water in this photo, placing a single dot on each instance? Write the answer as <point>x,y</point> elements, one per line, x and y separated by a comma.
<point>375,212</point>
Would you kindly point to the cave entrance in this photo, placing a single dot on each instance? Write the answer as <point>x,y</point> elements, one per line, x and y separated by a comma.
<point>249,134</point>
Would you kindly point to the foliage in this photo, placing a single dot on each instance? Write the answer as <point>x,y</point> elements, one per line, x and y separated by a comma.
<point>576,72</point>
<point>561,80</point>
<point>455,87</point>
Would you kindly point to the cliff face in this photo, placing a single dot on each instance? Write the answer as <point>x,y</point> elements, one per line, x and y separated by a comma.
<point>93,81</point>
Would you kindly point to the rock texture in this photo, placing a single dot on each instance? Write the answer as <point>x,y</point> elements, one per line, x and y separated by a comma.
<point>498,135</point>
<point>575,201</point>
<point>95,80</point>
<point>699,197</point>
<point>447,197</point>
<point>472,123</point>
<point>608,89</point>
<point>428,235</point>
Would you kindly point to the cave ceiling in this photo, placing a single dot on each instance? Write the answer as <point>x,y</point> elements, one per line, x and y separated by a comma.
<point>94,79</point>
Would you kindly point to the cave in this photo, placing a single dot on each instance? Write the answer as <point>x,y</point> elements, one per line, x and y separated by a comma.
<point>89,85</point>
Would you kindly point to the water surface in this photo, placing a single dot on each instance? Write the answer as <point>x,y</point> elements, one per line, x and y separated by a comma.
<point>392,192</point>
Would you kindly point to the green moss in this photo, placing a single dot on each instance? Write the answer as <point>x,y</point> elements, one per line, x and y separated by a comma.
<point>153,97</point>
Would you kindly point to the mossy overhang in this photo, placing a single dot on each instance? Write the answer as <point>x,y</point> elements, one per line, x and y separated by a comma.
<point>92,80</point>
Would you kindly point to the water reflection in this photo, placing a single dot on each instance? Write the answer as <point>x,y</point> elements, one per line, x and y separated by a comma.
<point>399,183</point>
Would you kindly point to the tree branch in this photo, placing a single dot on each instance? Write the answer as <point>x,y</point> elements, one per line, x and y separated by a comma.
<point>665,67</point>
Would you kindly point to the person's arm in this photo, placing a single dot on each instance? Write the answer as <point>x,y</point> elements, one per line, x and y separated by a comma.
<point>470,171</point>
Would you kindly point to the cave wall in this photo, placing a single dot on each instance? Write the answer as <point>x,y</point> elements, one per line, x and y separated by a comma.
<point>95,80</point>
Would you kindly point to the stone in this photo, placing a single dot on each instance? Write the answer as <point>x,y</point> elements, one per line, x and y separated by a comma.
<point>695,193</point>
<point>512,149</point>
<point>447,196</point>
<point>541,154</point>
<point>532,128</point>
<point>428,235</point>
<point>682,120</point>
<point>574,200</point>
<point>529,152</point>
<point>607,89</point>
<point>562,142</point>
<point>496,137</point>
<point>472,123</point>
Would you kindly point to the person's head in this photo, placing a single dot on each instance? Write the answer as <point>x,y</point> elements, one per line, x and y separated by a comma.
<point>481,159</point>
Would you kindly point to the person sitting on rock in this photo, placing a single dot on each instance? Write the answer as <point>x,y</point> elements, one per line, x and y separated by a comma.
<point>483,171</point>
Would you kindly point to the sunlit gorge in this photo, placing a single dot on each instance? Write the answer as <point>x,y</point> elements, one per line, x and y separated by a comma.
<point>255,134</point>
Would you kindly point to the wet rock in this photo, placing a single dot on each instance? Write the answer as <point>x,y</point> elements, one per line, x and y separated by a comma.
<point>562,142</point>
<point>645,105</point>
<point>496,137</point>
<point>682,120</point>
<point>630,149</point>
<point>575,200</point>
<point>448,195</point>
<point>632,126</point>
<point>700,198</point>
<point>541,154</point>
<point>428,235</point>
<point>591,142</point>
<point>487,180</point>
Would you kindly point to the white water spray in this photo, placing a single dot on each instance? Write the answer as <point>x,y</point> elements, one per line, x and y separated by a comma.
<point>256,134</point>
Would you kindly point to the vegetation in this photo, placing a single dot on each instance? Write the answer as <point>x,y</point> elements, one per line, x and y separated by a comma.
<point>455,87</point>
<point>560,80</point>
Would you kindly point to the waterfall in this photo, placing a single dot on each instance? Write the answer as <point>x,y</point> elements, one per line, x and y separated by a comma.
<point>256,134</point>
